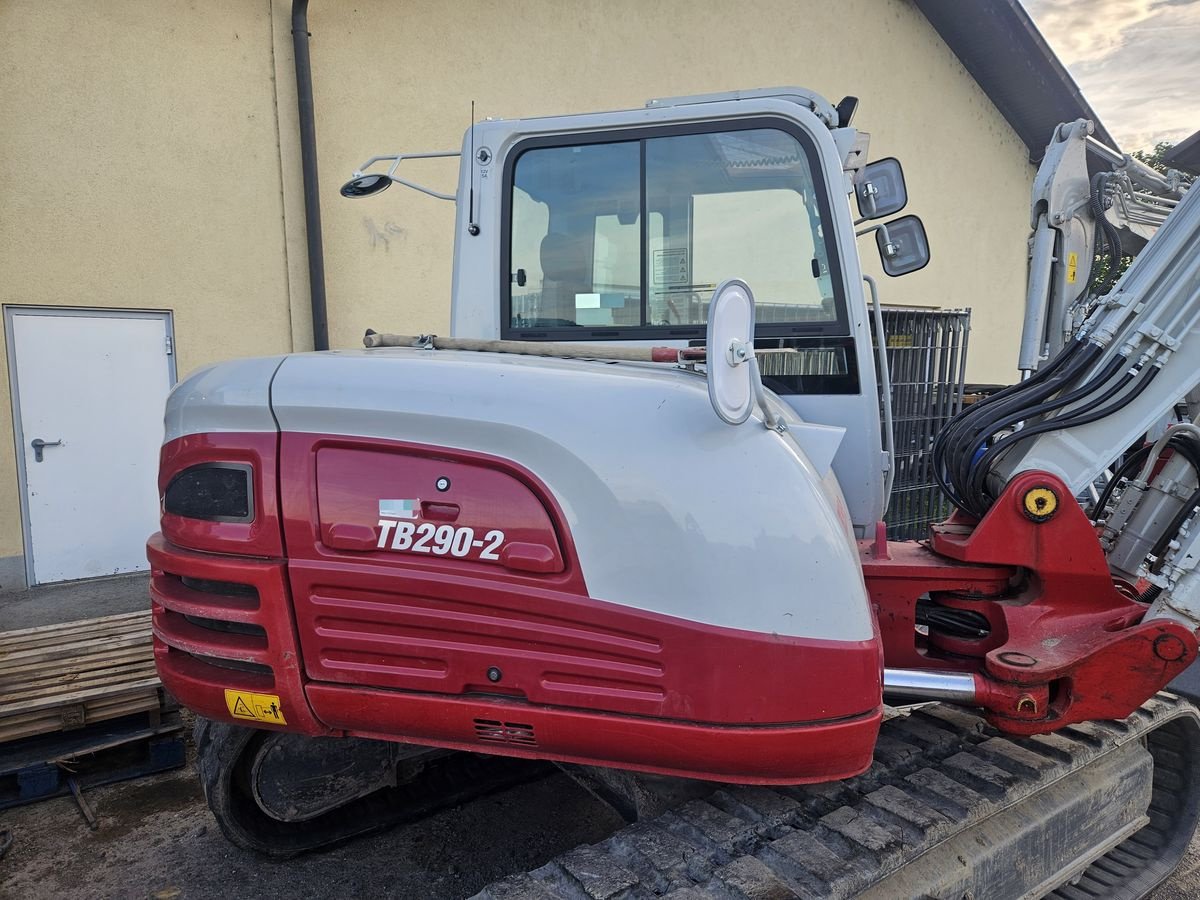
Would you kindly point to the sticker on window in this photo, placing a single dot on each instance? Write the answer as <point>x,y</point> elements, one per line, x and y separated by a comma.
<point>671,266</point>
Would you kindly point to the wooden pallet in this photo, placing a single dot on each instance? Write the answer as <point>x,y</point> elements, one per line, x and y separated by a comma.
<point>51,765</point>
<point>68,676</point>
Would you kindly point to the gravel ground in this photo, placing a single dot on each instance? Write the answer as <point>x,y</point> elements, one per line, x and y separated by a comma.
<point>157,840</point>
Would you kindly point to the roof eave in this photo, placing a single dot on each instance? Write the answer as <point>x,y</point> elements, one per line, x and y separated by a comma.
<point>999,45</point>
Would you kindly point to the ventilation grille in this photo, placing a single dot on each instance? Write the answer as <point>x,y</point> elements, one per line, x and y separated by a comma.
<point>505,732</point>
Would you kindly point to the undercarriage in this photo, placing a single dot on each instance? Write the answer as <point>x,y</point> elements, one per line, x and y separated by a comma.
<point>949,808</point>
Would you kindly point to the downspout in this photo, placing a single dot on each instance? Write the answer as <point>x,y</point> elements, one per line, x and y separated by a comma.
<point>308,162</point>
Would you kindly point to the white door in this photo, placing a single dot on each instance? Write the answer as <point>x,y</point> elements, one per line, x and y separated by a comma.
<point>89,389</point>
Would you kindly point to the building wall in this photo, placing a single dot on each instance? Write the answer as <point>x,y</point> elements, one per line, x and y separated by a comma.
<point>150,157</point>
<point>140,168</point>
<point>388,80</point>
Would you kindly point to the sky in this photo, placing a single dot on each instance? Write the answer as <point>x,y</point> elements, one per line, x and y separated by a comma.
<point>1137,62</point>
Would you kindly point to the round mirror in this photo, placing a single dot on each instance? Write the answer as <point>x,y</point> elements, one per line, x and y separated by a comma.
<point>366,185</point>
<point>730,351</point>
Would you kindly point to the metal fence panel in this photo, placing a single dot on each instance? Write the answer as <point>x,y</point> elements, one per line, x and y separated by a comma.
<point>927,355</point>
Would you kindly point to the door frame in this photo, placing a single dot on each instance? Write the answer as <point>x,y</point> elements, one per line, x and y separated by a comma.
<point>14,391</point>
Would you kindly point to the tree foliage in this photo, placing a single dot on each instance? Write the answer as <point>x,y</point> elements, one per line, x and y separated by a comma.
<point>1154,159</point>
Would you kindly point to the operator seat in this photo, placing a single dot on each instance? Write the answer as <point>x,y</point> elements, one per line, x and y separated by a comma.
<point>566,271</point>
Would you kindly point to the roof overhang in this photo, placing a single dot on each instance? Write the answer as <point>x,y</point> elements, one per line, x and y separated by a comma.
<point>1185,155</point>
<point>998,44</point>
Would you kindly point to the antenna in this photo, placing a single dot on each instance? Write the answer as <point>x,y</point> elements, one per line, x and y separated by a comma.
<point>472,225</point>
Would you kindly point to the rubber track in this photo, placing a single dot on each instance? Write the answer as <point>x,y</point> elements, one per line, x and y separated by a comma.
<point>447,781</point>
<point>936,773</point>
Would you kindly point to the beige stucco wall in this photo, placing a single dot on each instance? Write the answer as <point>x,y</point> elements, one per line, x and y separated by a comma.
<point>149,156</point>
<point>391,77</point>
<point>140,167</point>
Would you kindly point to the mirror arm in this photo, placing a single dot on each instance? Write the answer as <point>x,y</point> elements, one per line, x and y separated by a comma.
<point>887,238</point>
<point>771,421</point>
<point>868,194</point>
<point>398,158</point>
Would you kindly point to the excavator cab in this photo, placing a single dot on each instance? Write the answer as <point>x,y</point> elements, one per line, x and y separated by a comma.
<point>618,226</point>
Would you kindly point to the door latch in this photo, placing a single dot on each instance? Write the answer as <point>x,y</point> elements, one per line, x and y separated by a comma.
<point>39,445</point>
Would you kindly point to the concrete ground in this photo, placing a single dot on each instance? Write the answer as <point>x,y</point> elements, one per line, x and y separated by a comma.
<point>157,839</point>
<point>69,601</point>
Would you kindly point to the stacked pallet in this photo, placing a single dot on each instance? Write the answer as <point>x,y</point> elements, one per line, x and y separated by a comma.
<point>68,676</point>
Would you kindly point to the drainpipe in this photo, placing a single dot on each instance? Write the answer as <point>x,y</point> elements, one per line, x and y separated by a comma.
<point>308,161</point>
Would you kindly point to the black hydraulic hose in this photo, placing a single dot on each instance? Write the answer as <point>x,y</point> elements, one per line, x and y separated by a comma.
<point>980,468</point>
<point>1124,471</point>
<point>1185,512</point>
<point>1021,409</point>
<point>1182,444</point>
<point>308,162</point>
<point>1092,415</point>
<point>1106,232</point>
<point>962,441</point>
<point>948,442</point>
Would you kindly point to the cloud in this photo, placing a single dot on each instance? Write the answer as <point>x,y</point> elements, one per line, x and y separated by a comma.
<point>1136,62</point>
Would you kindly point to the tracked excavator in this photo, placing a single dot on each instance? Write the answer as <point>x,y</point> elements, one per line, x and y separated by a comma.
<point>625,521</point>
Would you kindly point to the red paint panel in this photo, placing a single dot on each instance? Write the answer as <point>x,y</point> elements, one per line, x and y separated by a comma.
<point>260,537</point>
<point>352,483</point>
<point>333,486</point>
<point>1067,643</point>
<point>424,631</point>
<point>742,755</point>
<point>197,664</point>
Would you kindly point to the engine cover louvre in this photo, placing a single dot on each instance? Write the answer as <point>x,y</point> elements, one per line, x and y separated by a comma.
<point>505,732</point>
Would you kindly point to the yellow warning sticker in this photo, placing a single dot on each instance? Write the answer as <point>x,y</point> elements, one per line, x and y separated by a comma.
<point>1072,265</point>
<point>255,707</point>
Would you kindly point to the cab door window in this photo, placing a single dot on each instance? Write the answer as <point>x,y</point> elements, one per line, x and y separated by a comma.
<point>575,236</point>
<point>629,239</point>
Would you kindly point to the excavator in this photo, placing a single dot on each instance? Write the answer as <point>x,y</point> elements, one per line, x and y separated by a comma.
<point>625,522</point>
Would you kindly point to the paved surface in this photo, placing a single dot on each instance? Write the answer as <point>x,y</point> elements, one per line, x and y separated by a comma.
<point>72,600</point>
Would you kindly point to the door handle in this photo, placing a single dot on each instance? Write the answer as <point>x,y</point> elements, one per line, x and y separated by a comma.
<point>39,445</point>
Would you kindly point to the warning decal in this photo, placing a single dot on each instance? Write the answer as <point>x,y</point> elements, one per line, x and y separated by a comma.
<point>255,707</point>
<point>1072,265</point>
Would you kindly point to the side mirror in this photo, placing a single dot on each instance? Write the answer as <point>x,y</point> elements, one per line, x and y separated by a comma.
<point>903,246</point>
<point>880,189</point>
<point>730,349</point>
<point>366,185</point>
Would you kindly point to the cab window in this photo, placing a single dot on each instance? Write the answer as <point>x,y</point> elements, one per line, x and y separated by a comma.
<point>629,239</point>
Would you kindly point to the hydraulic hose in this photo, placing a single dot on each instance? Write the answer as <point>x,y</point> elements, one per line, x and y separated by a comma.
<point>957,447</point>
<point>1124,471</point>
<point>962,435</point>
<point>981,467</point>
<point>1106,233</point>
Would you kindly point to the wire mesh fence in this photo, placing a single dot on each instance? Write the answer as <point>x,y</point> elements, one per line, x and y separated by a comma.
<point>927,356</point>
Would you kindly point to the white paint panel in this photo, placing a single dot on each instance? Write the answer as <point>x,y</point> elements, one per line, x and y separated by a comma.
<point>671,510</point>
<point>98,383</point>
